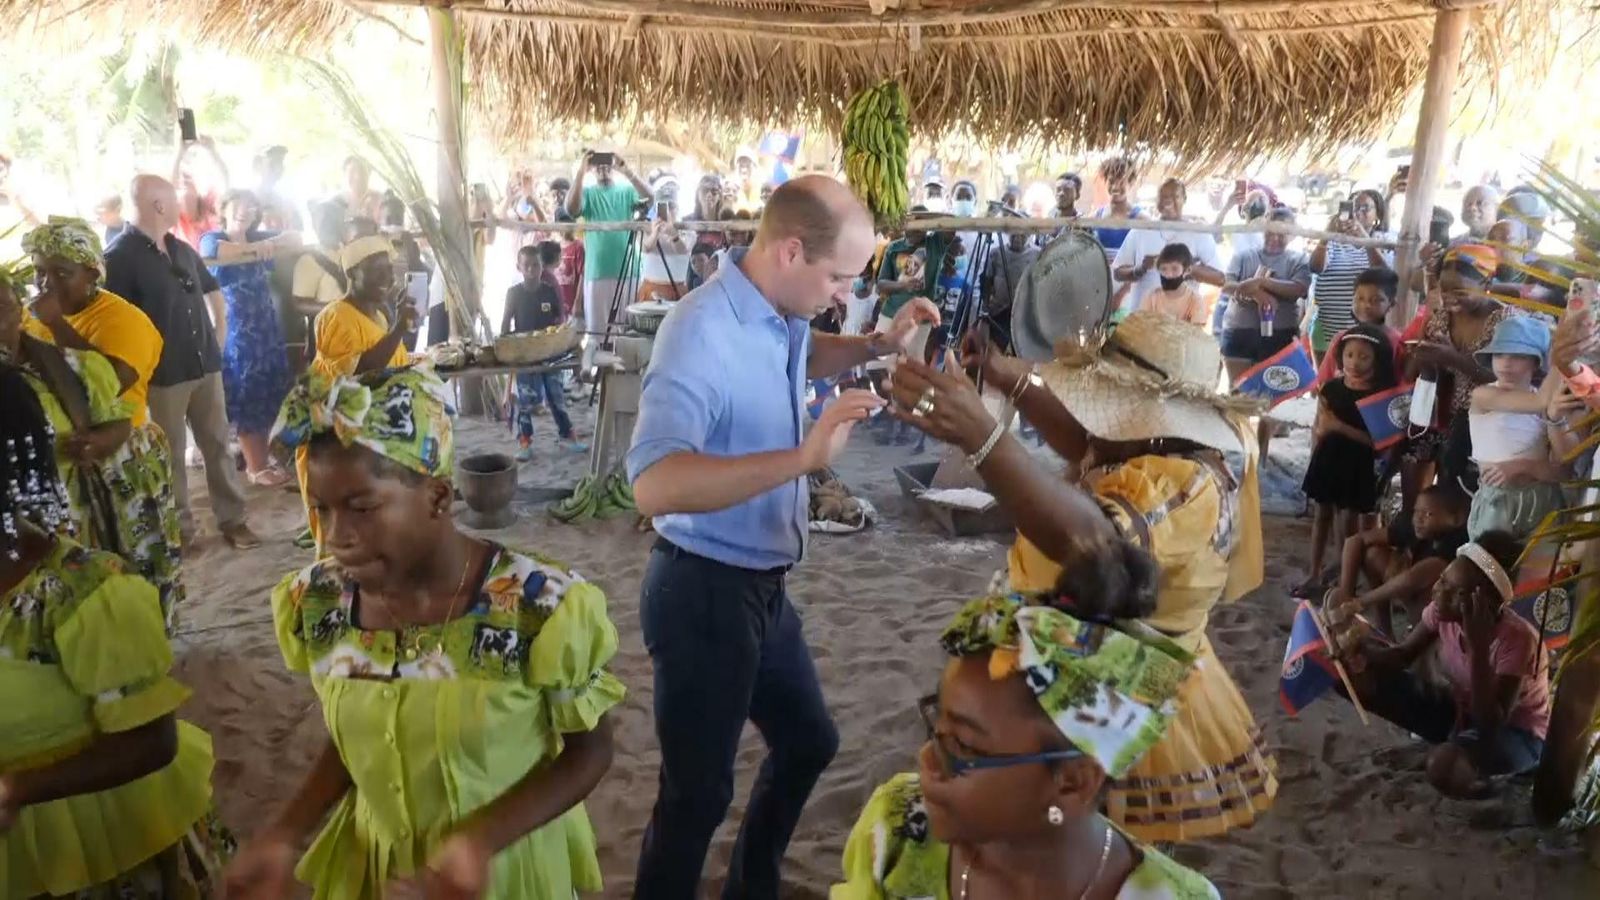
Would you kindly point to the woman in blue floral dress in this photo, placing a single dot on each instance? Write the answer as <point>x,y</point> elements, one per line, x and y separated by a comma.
<point>255,366</point>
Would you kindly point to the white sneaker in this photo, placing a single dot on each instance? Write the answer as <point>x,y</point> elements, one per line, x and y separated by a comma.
<point>193,458</point>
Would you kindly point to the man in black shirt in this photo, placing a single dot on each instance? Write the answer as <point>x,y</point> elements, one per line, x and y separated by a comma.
<point>534,305</point>
<point>163,276</point>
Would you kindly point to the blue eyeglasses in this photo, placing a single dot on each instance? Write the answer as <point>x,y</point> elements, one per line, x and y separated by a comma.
<point>954,766</point>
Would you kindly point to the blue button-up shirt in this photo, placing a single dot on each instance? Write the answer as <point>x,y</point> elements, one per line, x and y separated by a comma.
<point>727,378</point>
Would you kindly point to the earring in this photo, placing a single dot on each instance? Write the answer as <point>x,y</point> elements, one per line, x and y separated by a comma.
<point>1055,815</point>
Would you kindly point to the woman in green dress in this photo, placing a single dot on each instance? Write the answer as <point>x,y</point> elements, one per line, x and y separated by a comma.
<point>104,795</point>
<point>89,355</point>
<point>1043,700</point>
<point>463,684</point>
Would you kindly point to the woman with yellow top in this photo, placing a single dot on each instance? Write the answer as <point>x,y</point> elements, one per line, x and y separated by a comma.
<point>366,330</point>
<point>463,683</point>
<point>104,795</point>
<point>1143,432</point>
<point>89,355</point>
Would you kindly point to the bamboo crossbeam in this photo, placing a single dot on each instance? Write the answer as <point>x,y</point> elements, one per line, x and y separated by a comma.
<point>906,19</point>
<point>1007,225</point>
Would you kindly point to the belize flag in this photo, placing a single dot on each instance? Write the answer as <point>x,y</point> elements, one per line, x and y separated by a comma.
<point>1547,602</point>
<point>1282,376</point>
<point>1387,414</point>
<point>818,392</point>
<point>1308,671</point>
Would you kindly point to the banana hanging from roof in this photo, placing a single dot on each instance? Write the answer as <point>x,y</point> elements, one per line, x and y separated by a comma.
<point>877,142</point>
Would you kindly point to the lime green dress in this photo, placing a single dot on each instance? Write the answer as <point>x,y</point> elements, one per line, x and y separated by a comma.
<point>83,653</point>
<point>436,722</point>
<point>892,855</point>
<point>136,509</point>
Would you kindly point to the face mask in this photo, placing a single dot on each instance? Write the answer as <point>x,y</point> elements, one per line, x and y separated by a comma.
<point>935,204</point>
<point>1255,210</point>
<point>1172,284</point>
<point>964,207</point>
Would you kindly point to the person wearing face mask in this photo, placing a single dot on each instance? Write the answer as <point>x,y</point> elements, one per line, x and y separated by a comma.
<point>933,195</point>
<point>964,203</point>
<point>1135,264</point>
<point>1252,201</point>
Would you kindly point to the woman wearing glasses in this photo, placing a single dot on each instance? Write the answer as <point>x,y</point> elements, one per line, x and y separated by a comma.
<point>1044,700</point>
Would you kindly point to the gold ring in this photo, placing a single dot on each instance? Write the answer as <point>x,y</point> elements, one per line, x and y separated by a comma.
<point>924,404</point>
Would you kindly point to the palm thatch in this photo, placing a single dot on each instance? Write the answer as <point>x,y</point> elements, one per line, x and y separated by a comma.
<point>1205,81</point>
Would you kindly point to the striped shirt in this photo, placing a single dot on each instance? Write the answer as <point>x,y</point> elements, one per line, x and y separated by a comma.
<point>1334,289</point>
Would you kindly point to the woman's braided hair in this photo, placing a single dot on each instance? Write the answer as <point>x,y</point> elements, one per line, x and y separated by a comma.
<point>31,490</point>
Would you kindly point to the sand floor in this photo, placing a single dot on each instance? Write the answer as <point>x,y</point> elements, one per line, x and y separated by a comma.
<point>1354,817</point>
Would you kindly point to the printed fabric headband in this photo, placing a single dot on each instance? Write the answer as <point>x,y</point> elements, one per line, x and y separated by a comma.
<point>402,415</point>
<point>1491,567</point>
<point>67,238</point>
<point>1109,688</point>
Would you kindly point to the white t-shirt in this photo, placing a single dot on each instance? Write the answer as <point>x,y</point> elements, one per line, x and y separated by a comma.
<point>1143,243</point>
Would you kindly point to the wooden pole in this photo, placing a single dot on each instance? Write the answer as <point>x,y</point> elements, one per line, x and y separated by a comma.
<point>1428,150</point>
<point>452,179</point>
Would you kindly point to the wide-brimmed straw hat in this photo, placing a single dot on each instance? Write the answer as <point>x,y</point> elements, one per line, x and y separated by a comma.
<point>1154,377</point>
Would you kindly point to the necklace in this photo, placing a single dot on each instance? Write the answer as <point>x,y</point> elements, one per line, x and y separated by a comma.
<point>415,649</point>
<point>1105,857</point>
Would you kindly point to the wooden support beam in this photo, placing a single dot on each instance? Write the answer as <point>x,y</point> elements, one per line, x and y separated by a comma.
<point>1428,150</point>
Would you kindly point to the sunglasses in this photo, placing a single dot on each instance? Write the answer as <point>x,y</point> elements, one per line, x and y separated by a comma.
<point>954,765</point>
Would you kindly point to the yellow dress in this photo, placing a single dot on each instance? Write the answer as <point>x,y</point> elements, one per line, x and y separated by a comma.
<point>344,332</point>
<point>122,331</point>
<point>431,737</point>
<point>1211,772</point>
<point>83,653</point>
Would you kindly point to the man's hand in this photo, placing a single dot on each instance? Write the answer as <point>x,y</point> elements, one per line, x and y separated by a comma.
<point>917,311</point>
<point>831,432</point>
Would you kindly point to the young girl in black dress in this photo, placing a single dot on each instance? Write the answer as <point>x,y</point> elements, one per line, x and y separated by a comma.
<point>1340,474</point>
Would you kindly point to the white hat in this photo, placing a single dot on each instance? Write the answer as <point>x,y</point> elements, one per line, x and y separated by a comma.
<point>1154,377</point>
<point>359,250</point>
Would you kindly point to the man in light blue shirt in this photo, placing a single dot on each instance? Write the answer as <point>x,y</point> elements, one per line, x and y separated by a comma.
<point>719,460</point>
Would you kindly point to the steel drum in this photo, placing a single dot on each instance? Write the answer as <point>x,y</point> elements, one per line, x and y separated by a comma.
<point>1066,294</point>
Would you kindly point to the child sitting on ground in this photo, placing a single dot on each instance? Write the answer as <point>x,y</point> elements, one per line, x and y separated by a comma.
<point>534,305</point>
<point>1176,297</point>
<point>1340,476</point>
<point>1513,428</point>
<point>1376,290</point>
<point>1401,562</point>
<point>1493,716</point>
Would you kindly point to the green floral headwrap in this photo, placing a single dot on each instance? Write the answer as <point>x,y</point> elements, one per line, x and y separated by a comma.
<point>71,239</point>
<point>402,415</point>
<point>1111,689</point>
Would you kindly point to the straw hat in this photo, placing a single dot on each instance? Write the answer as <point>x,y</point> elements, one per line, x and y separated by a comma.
<point>1154,377</point>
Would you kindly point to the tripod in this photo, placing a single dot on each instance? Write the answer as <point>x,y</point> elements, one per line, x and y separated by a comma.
<point>969,308</point>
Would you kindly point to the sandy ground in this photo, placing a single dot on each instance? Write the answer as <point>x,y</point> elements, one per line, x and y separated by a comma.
<point>1354,818</point>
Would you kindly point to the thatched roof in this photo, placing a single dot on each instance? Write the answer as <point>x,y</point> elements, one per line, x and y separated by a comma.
<point>1206,80</point>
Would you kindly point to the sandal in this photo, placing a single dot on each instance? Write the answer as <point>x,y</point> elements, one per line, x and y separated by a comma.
<point>270,477</point>
<point>240,537</point>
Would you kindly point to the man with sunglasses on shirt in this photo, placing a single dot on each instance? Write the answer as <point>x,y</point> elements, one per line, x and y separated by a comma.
<point>164,277</point>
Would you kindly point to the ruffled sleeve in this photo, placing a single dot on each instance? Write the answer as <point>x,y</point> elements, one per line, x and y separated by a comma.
<point>890,853</point>
<point>568,658</point>
<point>102,385</point>
<point>287,602</point>
<point>114,650</point>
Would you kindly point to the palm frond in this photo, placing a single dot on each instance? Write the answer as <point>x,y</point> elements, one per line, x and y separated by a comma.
<point>389,157</point>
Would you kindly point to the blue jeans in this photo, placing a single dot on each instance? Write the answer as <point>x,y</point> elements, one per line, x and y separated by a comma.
<point>726,645</point>
<point>533,387</point>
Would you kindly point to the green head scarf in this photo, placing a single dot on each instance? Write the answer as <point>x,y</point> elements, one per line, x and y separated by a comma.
<point>402,415</point>
<point>1111,689</point>
<point>70,239</point>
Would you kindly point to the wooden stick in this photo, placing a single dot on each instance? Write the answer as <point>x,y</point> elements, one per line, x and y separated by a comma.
<point>1355,699</point>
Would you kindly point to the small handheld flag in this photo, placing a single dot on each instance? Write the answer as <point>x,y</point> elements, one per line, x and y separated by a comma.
<point>1308,671</point>
<point>1282,376</point>
<point>1386,415</point>
<point>818,392</point>
<point>1546,601</point>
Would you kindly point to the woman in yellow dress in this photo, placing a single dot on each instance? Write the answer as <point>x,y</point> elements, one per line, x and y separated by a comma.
<point>1143,432</point>
<point>104,794</point>
<point>463,683</point>
<point>366,330</point>
<point>90,354</point>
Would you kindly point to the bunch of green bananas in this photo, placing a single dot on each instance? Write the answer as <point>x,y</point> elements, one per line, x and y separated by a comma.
<point>595,499</point>
<point>877,141</point>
